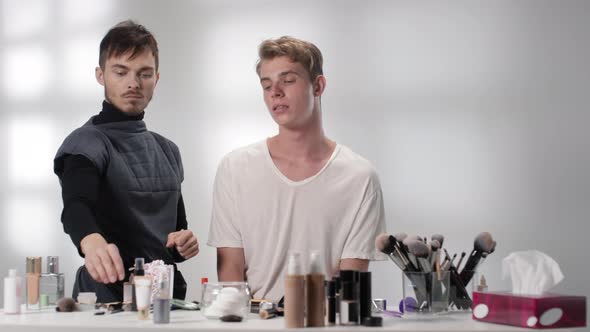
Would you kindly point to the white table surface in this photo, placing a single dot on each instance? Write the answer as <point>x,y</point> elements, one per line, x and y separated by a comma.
<point>50,321</point>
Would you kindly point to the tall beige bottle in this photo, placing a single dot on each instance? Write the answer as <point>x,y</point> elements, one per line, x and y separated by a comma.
<point>32,278</point>
<point>294,293</point>
<point>316,295</point>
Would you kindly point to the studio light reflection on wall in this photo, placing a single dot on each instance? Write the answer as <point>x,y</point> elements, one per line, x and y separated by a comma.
<point>84,13</point>
<point>24,18</point>
<point>31,149</point>
<point>30,225</point>
<point>81,57</point>
<point>26,72</point>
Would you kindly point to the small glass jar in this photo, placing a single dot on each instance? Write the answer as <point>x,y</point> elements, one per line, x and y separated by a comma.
<point>228,301</point>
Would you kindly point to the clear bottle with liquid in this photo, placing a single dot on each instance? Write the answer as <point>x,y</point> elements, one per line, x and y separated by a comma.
<point>51,283</point>
<point>32,278</point>
<point>162,303</point>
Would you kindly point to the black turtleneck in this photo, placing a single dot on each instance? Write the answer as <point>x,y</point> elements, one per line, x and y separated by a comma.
<point>110,113</point>
<point>81,182</point>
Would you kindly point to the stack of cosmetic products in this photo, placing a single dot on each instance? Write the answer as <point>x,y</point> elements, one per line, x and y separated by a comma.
<point>46,291</point>
<point>312,301</point>
<point>43,289</point>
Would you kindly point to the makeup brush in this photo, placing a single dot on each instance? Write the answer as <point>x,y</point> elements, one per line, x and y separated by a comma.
<point>449,263</point>
<point>403,252</point>
<point>411,256</point>
<point>413,237</point>
<point>400,236</point>
<point>460,260</point>
<point>434,246</point>
<point>386,244</point>
<point>421,251</point>
<point>484,243</point>
<point>66,304</point>
<point>439,237</point>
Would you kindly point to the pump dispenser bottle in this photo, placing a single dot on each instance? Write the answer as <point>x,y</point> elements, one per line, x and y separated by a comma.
<point>316,297</point>
<point>294,293</point>
<point>33,277</point>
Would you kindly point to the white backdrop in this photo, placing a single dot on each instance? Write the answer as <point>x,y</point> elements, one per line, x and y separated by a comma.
<point>474,113</point>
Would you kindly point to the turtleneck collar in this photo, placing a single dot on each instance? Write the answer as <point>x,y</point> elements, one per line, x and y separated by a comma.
<point>110,114</point>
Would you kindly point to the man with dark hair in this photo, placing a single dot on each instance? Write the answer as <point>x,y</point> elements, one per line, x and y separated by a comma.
<point>121,184</point>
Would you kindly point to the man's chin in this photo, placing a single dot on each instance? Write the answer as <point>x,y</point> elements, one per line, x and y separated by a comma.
<point>131,109</point>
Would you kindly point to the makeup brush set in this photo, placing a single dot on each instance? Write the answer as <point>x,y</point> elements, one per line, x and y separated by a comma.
<point>421,263</point>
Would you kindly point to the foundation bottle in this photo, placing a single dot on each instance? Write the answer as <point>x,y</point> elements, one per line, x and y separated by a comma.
<point>294,293</point>
<point>316,296</point>
<point>137,271</point>
<point>33,277</point>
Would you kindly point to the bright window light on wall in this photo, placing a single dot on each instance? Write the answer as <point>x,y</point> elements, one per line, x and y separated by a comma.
<point>23,18</point>
<point>26,72</point>
<point>78,12</point>
<point>32,146</point>
<point>30,226</point>
<point>81,57</point>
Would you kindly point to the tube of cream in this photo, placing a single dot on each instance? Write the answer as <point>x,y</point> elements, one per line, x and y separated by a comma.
<point>142,293</point>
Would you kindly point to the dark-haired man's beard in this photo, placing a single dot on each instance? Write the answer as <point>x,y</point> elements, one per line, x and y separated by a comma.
<point>134,107</point>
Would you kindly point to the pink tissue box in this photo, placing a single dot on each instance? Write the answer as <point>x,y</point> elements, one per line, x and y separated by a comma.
<point>547,311</point>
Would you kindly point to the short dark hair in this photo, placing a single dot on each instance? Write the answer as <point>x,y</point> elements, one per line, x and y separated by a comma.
<point>296,50</point>
<point>127,36</point>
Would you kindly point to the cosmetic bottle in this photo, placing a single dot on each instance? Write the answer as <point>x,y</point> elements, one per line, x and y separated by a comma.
<point>12,292</point>
<point>338,287</point>
<point>32,277</point>
<point>203,282</point>
<point>162,303</point>
<point>315,291</point>
<point>294,293</point>
<point>51,284</point>
<point>137,271</point>
<point>143,291</point>
<point>365,295</point>
<point>331,303</point>
<point>349,304</point>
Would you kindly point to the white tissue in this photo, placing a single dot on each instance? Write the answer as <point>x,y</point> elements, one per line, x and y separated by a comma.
<point>532,272</point>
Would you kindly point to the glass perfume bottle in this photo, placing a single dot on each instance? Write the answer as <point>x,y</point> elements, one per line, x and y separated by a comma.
<point>51,283</point>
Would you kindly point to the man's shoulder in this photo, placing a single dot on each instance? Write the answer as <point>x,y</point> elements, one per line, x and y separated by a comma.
<point>162,140</point>
<point>84,135</point>
<point>245,155</point>
<point>349,161</point>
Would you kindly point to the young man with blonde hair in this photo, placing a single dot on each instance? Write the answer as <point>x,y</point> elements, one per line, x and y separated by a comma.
<point>294,192</point>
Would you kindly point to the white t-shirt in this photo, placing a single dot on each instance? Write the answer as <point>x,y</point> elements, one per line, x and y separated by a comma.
<point>339,212</point>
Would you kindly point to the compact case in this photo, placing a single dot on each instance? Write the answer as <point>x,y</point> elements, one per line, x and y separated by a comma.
<point>547,311</point>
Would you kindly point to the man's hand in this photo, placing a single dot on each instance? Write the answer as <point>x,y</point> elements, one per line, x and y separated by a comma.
<point>102,259</point>
<point>185,242</point>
